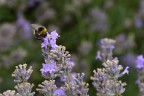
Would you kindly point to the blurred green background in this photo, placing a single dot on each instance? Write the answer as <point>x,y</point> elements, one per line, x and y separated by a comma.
<point>80,24</point>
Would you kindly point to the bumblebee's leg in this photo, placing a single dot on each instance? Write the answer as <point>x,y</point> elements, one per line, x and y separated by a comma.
<point>42,39</point>
<point>39,38</point>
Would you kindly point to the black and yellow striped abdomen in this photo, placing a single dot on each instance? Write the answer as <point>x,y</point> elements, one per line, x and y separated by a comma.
<point>39,31</point>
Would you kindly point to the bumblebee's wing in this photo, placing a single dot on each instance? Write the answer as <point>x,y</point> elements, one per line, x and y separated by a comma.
<point>35,26</point>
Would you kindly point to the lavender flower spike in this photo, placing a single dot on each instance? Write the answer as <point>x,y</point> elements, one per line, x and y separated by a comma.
<point>25,88</point>
<point>105,80</point>
<point>21,74</point>
<point>47,88</point>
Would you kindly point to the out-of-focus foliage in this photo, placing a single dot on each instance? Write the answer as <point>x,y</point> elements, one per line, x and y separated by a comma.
<point>81,24</point>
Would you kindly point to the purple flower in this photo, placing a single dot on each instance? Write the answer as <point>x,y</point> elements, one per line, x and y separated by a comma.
<point>140,62</point>
<point>115,58</point>
<point>138,22</point>
<point>63,78</point>
<point>24,26</point>
<point>99,55</point>
<point>111,48</point>
<point>53,44</point>
<point>125,71</point>
<point>54,35</point>
<point>48,68</point>
<point>59,92</point>
<point>70,63</point>
<point>45,43</point>
<point>50,39</point>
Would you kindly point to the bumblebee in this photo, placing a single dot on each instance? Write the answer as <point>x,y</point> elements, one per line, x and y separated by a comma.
<point>39,31</point>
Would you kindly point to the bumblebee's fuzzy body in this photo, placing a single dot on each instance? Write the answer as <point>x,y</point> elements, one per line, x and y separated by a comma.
<point>39,31</point>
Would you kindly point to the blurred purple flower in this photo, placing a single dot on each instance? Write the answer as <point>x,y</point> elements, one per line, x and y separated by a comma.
<point>32,3</point>
<point>125,42</point>
<point>129,59</point>
<point>24,26</point>
<point>48,68</point>
<point>98,20</point>
<point>138,22</point>
<point>140,62</point>
<point>59,92</point>
<point>111,48</point>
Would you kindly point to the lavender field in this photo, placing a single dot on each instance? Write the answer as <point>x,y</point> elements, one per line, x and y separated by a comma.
<point>78,48</point>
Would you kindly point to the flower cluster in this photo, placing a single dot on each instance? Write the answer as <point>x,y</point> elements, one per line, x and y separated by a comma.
<point>23,88</point>
<point>60,80</point>
<point>47,88</point>
<point>10,93</point>
<point>82,23</point>
<point>75,86</point>
<point>105,80</point>
<point>59,65</point>
<point>21,75</point>
<point>50,40</point>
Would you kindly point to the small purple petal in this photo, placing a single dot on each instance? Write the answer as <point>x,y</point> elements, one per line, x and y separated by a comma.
<point>50,39</point>
<point>54,35</point>
<point>125,71</point>
<point>98,55</point>
<point>63,78</point>
<point>74,74</point>
<point>115,58</point>
<point>48,68</point>
<point>70,63</point>
<point>53,44</point>
<point>140,62</point>
<point>59,92</point>
<point>111,48</point>
<point>44,43</point>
